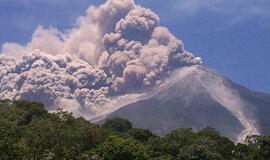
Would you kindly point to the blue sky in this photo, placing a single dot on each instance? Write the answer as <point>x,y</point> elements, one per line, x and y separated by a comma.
<point>231,36</point>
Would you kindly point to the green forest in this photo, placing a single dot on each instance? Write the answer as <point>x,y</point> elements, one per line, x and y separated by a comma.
<point>29,132</point>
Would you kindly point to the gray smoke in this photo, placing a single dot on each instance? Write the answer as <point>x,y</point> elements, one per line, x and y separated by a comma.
<point>116,50</point>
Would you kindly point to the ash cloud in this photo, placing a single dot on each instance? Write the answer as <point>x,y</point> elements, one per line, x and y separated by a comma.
<point>117,49</point>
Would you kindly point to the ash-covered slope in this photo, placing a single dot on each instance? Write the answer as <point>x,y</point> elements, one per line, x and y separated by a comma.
<point>198,97</point>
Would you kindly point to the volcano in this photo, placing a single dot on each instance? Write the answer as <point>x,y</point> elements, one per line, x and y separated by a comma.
<point>196,97</point>
<point>118,60</point>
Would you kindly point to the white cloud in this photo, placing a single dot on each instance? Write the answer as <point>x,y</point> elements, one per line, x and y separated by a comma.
<point>225,7</point>
<point>232,12</point>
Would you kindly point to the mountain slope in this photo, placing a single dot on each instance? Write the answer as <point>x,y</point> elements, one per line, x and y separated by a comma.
<point>197,97</point>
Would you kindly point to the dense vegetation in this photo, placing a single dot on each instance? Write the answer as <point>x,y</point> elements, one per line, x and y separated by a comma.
<point>28,131</point>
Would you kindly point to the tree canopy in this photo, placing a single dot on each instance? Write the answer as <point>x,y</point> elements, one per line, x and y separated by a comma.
<point>28,131</point>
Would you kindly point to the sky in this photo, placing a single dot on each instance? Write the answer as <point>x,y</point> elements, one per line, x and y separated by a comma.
<point>231,36</point>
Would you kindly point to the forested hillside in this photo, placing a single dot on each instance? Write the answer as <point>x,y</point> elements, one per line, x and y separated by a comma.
<point>28,131</point>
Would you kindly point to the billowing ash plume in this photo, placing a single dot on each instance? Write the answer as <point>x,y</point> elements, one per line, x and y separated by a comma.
<point>118,48</point>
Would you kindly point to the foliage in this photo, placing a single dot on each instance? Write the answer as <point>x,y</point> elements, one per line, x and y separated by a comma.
<point>28,131</point>
<point>142,135</point>
<point>116,148</point>
<point>118,124</point>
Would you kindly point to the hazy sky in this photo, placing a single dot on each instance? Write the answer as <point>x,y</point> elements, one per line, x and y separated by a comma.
<point>231,36</point>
